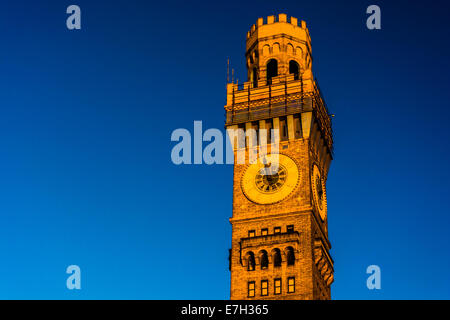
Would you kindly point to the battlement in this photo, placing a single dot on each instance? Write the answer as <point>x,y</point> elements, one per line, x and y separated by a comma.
<point>280,18</point>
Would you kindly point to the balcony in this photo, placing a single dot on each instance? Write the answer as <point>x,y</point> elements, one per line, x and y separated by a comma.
<point>284,96</point>
<point>270,239</point>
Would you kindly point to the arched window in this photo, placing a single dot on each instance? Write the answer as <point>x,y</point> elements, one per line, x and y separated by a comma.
<point>272,70</point>
<point>277,258</point>
<point>294,69</point>
<point>251,261</point>
<point>264,260</point>
<point>290,256</point>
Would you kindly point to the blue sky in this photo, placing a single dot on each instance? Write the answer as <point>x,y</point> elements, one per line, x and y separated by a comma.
<point>85,122</point>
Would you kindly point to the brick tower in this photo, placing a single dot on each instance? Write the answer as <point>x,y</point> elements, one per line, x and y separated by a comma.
<point>280,247</point>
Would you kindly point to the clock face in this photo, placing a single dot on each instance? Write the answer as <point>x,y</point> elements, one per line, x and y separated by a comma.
<point>318,188</point>
<point>265,182</point>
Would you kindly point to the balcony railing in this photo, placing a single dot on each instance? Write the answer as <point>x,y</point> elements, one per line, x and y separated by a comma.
<point>249,103</point>
<point>270,239</point>
<point>268,108</point>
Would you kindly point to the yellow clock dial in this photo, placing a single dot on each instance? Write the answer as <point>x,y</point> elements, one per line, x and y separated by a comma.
<point>265,182</point>
<point>318,188</point>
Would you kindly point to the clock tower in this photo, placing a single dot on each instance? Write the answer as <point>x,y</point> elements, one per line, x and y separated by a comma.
<point>280,247</point>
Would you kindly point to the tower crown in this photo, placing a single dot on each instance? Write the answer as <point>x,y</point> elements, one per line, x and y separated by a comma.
<point>276,47</point>
<point>280,79</point>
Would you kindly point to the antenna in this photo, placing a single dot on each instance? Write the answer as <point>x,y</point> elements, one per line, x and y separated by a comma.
<point>228,70</point>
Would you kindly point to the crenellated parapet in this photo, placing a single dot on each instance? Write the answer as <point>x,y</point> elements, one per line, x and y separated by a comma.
<point>279,38</point>
<point>280,18</point>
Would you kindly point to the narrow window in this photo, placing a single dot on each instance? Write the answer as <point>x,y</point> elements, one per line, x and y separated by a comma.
<point>251,289</point>
<point>264,260</point>
<point>255,78</point>
<point>277,286</point>
<point>271,70</point>
<point>291,285</point>
<point>290,228</point>
<point>241,139</point>
<point>290,256</point>
<point>277,230</point>
<point>277,258</point>
<point>255,127</point>
<point>283,129</point>
<point>264,232</point>
<point>251,233</point>
<point>269,127</point>
<point>294,69</point>
<point>251,262</point>
<point>297,127</point>
<point>264,287</point>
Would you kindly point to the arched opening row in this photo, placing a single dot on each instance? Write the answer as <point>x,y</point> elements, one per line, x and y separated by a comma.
<point>272,71</point>
<point>276,258</point>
